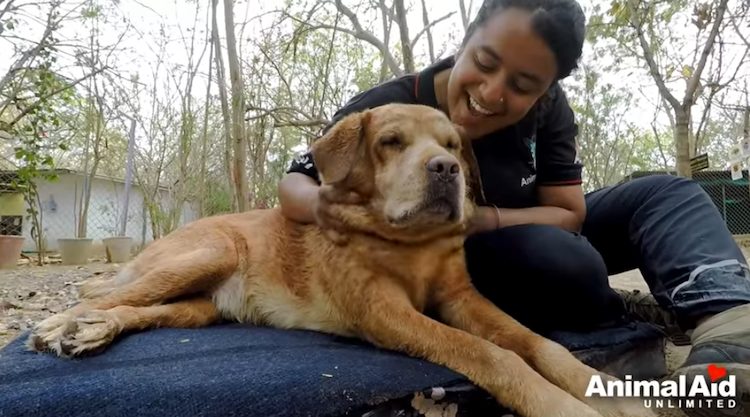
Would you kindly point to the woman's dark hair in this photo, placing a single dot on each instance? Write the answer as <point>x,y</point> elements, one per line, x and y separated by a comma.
<point>561,23</point>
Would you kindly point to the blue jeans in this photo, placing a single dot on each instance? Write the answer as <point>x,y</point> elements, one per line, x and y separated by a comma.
<point>666,226</point>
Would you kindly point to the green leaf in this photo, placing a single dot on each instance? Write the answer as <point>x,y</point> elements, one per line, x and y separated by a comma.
<point>687,71</point>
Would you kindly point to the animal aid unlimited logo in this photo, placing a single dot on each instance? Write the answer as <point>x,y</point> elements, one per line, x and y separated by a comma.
<point>717,390</point>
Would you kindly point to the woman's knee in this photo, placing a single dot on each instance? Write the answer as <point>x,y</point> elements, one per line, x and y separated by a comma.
<point>537,253</point>
<point>658,184</point>
<point>544,276</point>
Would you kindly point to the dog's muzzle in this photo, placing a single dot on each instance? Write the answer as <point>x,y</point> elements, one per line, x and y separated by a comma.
<point>443,194</point>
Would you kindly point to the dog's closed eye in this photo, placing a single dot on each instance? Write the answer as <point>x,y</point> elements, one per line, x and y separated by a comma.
<point>391,140</point>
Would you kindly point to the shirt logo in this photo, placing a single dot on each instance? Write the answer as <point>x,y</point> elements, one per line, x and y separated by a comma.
<point>528,180</point>
<point>304,160</point>
<point>531,144</point>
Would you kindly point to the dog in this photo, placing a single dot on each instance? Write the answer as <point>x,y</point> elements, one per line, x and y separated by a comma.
<point>396,251</point>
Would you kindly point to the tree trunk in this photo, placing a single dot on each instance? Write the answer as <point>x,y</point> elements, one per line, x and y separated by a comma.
<point>222,86</point>
<point>386,16</point>
<point>238,112</point>
<point>464,14</point>
<point>203,194</point>
<point>682,109</point>
<point>403,28</point>
<point>89,175</point>
<point>682,142</point>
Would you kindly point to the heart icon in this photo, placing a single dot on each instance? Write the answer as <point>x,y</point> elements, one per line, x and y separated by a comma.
<point>716,372</point>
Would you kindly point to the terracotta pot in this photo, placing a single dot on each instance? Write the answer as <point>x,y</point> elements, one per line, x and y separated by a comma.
<point>10,250</point>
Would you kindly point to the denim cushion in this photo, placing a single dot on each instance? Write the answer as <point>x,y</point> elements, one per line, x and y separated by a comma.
<point>240,370</point>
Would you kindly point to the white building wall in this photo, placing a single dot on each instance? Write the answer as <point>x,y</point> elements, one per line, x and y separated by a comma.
<point>59,202</point>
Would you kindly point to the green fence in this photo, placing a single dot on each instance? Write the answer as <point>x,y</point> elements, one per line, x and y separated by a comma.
<point>731,197</point>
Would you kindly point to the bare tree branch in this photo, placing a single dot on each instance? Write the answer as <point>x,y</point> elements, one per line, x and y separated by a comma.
<point>361,33</point>
<point>464,14</point>
<point>388,16</point>
<point>53,93</point>
<point>5,10</point>
<point>692,84</point>
<point>426,23</point>
<point>32,53</point>
<point>426,29</point>
<point>403,28</point>
<point>648,55</point>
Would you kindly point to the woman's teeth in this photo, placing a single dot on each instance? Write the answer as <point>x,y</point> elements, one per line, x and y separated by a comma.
<point>473,105</point>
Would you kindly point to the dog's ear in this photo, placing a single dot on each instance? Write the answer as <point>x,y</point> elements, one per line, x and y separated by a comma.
<point>336,153</point>
<point>473,175</point>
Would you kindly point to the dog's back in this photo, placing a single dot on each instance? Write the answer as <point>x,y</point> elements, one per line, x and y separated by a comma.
<point>277,271</point>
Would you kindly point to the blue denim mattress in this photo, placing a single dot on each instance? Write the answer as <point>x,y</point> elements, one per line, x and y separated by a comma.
<point>240,370</point>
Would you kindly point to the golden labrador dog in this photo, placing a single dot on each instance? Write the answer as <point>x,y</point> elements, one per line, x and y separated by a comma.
<point>397,252</point>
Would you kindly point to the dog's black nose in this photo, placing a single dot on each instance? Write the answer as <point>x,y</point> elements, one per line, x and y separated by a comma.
<point>444,168</point>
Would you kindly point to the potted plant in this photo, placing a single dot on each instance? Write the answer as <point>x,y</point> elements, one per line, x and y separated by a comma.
<point>118,247</point>
<point>76,250</point>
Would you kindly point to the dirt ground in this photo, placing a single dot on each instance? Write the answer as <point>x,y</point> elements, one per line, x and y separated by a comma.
<point>29,294</point>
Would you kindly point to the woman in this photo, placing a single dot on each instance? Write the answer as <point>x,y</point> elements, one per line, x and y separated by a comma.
<point>546,254</point>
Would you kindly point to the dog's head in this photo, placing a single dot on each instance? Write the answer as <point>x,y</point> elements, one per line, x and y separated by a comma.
<point>406,163</point>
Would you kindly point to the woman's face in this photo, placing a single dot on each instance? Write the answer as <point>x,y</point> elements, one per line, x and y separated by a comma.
<point>499,74</point>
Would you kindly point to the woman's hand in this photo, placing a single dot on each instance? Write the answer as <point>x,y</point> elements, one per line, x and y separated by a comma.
<point>484,219</point>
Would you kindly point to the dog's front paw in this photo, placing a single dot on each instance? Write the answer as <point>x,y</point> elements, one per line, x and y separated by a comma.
<point>49,334</point>
<point>69,336</point>
<point>95,330</point>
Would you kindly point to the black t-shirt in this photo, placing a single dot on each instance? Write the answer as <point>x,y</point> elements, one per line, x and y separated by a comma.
<point>538,150</point>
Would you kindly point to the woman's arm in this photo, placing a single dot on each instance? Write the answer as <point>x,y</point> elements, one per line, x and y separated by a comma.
<point>298,197</point>
<point>561,206</point>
